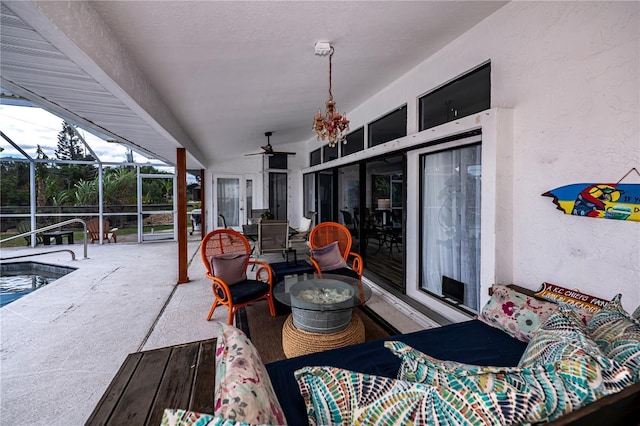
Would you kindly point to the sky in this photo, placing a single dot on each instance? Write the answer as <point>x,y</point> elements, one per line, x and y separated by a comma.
<point>30,126</point>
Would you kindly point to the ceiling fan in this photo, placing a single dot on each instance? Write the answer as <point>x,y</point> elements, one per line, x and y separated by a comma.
<point>268,149</point>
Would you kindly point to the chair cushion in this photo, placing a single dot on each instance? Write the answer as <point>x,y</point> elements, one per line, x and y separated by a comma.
<point>230,267</point>
<point>347,272</point>
<point>515,313</point>
<point>247,291</point>
<point>341,397</point>
<point>242,388</point>
<point>329,257</point>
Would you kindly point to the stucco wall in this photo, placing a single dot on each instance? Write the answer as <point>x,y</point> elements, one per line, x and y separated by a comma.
<point>570,71</point>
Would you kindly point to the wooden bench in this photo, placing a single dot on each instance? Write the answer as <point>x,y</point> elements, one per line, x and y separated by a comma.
<point>180,376</point>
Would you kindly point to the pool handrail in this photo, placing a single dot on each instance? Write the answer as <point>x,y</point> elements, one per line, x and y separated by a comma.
<point>73,255</point>
<point>54,226</point>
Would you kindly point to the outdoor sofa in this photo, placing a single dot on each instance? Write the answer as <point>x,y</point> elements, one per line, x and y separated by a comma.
<point>568,373</point>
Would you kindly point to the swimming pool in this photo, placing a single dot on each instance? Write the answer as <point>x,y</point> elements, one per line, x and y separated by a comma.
<point>21,278</point>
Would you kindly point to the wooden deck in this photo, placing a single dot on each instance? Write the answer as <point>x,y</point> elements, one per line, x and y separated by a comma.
<point>179,376</point>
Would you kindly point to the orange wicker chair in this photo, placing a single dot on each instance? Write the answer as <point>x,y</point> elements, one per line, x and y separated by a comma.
<point>328,232</point>
<point>228,241</point>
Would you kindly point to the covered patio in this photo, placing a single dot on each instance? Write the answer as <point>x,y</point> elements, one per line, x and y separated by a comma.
<point>63,343</point>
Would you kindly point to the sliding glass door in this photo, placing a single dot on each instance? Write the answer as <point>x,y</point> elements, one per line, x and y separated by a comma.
<point>450,225</point>
<point>383,219</point>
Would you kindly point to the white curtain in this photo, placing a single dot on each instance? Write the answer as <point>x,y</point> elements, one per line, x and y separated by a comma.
<point>451,182</point>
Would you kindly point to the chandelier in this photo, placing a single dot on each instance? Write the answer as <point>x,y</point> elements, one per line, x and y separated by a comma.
<point>333,125</point>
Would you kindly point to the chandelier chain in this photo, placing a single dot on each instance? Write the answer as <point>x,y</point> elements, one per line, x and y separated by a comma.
<point>330,73</point>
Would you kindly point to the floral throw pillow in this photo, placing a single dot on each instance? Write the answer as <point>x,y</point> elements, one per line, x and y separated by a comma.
<point>172,417</point>
<point>243,390</point>
<point>515,313</point>
<point>617,334</point>
<point>329,257</point>
<point>562,386</point>
<point>342,397</point>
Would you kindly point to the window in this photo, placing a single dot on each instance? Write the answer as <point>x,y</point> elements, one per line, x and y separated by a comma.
<point>464,96</point>
<point>315,157</point>
<point>278,161</point>
<point>450,183</point>
<point>325,196</point>
<point>391,126</point>
<point>355,142</point>
<point>309,185</point>
<point>329,153</point>
<point>349,201</point>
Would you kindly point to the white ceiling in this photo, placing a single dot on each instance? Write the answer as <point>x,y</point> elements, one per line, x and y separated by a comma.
<point>226,72</point>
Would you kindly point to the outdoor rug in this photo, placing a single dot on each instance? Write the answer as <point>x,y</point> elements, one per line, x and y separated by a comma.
<point>265,331</point>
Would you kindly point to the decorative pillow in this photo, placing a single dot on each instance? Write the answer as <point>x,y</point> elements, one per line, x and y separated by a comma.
<point>618,335</point>
<point>230,267</point>
<point>172,417</point>
<point>329,257</point>
<point>636,313</point>
<point>336,396</point>
<point>515,313</point>
<point>586,304</point>
<point>243,390</point>
<point>562,336</point>
<point>562,386</point>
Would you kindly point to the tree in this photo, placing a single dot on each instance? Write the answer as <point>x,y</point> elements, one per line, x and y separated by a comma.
<point>70,147</point>
<point>42,174</point>
<point>69,144</point>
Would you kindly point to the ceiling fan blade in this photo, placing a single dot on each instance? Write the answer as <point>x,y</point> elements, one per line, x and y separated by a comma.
<point>254,153</point>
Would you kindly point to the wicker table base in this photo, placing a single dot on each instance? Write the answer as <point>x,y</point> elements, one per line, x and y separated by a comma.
<point>296,342</point>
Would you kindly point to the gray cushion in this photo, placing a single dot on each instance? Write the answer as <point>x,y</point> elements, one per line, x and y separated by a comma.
<point>231,267</point>
<point>329,257</point>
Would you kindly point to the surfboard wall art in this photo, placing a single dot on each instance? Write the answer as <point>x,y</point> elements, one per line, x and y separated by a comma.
<point>600,200</point>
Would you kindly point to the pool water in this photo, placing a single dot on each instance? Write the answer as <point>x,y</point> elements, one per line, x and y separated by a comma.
<point>21,278</point>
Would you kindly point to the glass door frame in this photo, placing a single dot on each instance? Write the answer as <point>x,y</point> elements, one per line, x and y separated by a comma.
<point>142,211</point>
<point>242,212</point>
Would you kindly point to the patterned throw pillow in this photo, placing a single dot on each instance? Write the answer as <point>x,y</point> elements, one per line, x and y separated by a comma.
<point>243,390</point>
<point>230,267</point>
<point>515,313</point>
<point>562,336</point>
<point>618,335</point>
<point>562,386</point>
<point>329,257</point>
<point>172,417</point>
<point>636,313</point>
<point>336,396</point>
<point>585,304</point>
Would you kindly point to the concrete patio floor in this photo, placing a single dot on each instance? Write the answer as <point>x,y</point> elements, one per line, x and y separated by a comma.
<point>61,345</point>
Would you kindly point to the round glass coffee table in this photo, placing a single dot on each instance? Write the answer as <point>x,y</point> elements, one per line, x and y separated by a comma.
<point>322,316</point>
